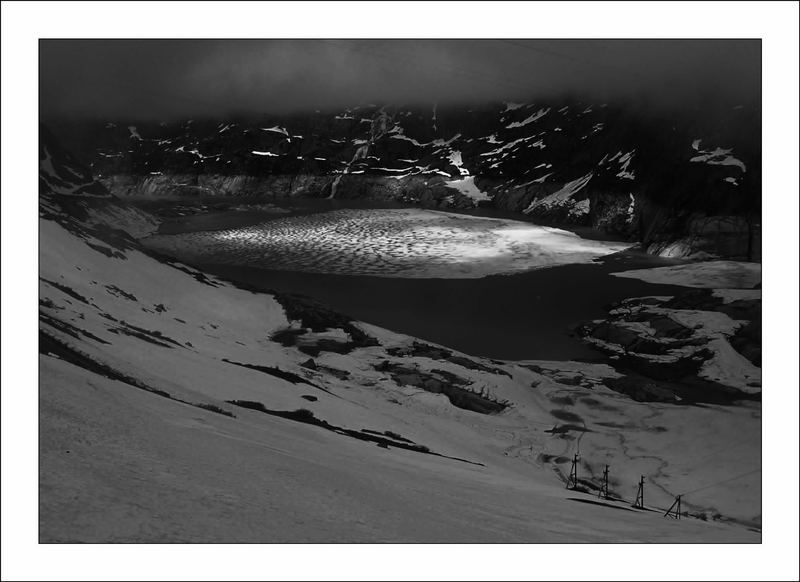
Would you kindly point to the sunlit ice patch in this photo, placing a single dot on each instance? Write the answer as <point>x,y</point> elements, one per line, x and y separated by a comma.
<point>409,243</point>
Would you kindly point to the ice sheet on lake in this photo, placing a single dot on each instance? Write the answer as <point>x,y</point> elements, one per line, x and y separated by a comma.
<point>389,243</point>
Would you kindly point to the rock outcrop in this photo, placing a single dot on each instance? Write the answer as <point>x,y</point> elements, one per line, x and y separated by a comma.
<point>703,345</point>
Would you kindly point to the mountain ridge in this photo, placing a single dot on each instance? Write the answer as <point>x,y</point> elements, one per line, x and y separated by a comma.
<point>680,187</point>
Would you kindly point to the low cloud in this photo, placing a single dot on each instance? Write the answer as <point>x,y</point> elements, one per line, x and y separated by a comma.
<point>164,79</point>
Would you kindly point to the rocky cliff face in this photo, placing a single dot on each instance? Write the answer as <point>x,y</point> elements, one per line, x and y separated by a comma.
<point>70,194</point>
<point>61,174</point>
<point>644,177</point>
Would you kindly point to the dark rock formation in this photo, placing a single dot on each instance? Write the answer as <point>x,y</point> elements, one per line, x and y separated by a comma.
<point>662,359</point>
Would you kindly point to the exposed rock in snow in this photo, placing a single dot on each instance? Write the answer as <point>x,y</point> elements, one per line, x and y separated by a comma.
<point>670,342</point>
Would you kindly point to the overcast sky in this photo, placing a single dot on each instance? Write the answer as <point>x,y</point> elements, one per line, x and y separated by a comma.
<point>165,79</point>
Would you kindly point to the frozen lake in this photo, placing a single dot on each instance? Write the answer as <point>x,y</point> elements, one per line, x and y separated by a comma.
<point>486,286</point>
<point>407,243</point>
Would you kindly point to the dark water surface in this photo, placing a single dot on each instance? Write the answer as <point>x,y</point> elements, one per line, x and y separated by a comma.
<point>525,316</point>
<point>529,315</point>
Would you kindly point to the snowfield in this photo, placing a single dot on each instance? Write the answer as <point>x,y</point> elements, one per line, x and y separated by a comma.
<point>126,466</point>
<point>708,274</point>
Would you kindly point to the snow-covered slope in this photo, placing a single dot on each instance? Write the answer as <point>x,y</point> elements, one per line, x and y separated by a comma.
<point>127,338</point>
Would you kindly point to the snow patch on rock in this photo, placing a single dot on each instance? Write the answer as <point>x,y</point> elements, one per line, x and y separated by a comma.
<point>561,196</point>
<point>537,115</point>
